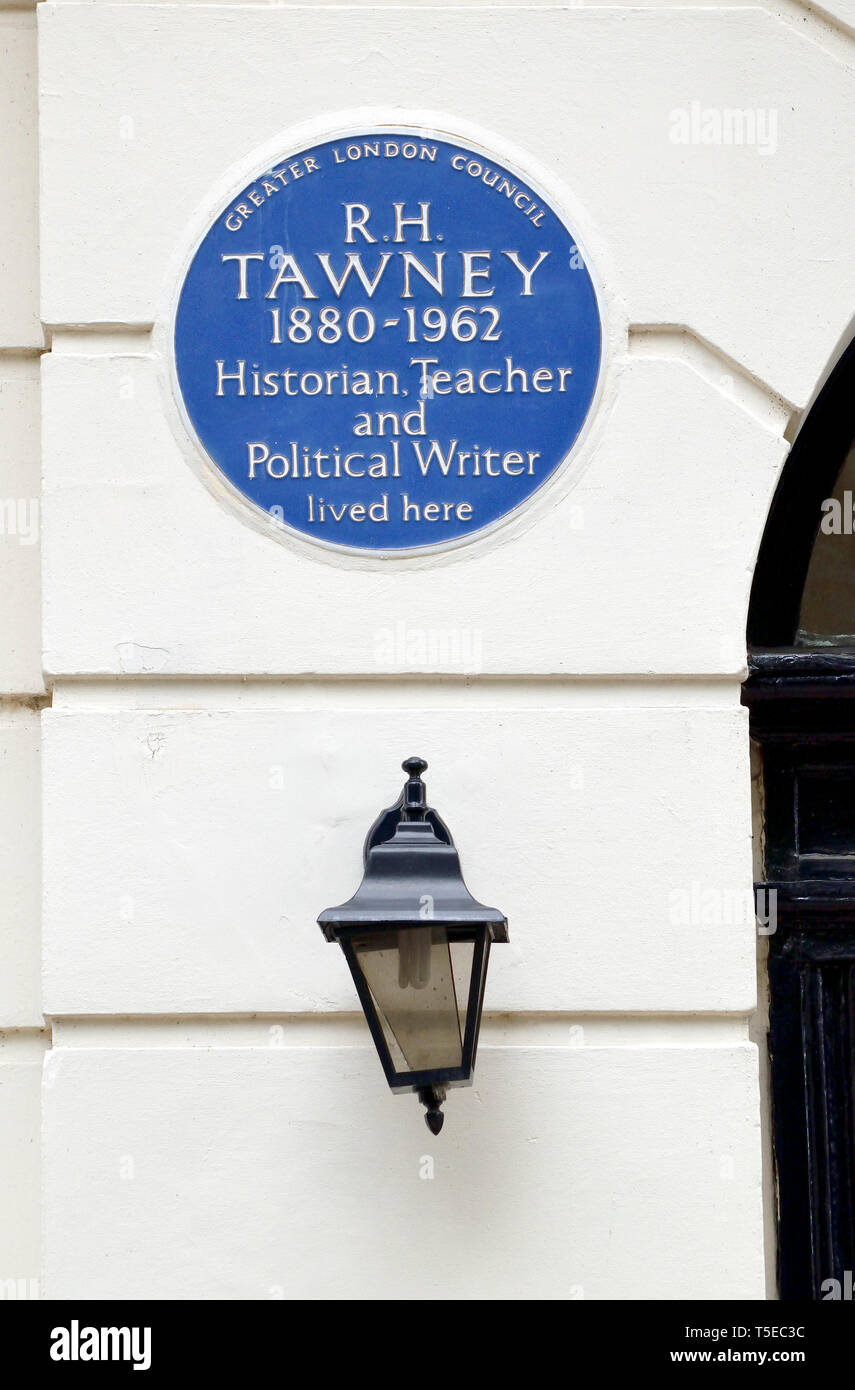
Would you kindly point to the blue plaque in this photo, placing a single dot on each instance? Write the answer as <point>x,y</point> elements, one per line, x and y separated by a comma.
<point>388,342</point>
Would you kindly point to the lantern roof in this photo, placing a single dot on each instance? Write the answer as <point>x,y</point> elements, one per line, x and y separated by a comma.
<point>412,873</point>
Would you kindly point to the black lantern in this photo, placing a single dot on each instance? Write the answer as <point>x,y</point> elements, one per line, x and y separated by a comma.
<point>417,944</point>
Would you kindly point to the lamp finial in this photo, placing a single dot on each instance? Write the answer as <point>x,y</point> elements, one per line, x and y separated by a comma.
<point>431,1098</point>
<point>415,801</point>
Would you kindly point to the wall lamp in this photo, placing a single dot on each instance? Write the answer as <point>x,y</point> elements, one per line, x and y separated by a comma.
<point>417,944</point>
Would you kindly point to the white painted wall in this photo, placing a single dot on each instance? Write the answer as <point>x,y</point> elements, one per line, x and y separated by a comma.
<point>192,806</point>
<point>226,713</point>
<point>22,1040</point>
<point>260,1171</point>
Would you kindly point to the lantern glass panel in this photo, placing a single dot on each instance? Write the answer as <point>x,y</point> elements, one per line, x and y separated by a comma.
<point>419,980</point>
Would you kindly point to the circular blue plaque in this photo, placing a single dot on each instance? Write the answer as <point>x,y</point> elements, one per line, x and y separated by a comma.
<point>388,342</point>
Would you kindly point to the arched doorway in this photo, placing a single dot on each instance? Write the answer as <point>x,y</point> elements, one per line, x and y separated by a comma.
<point>801,696</point>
